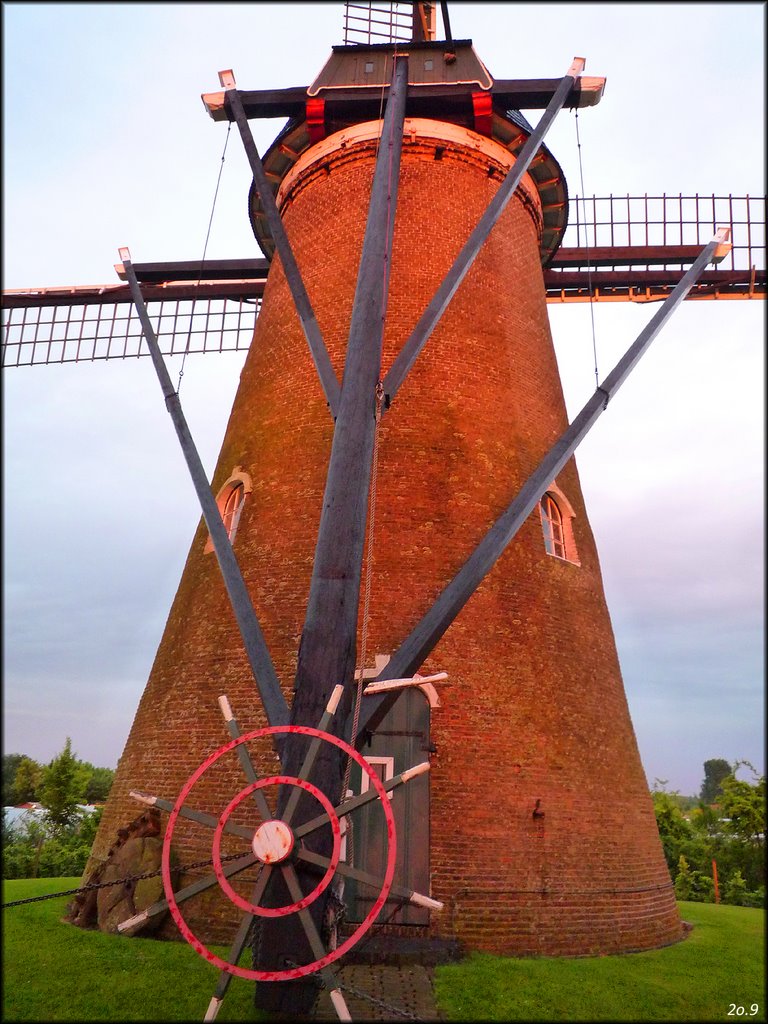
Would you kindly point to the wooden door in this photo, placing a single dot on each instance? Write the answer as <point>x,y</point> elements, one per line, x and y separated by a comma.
<point>400,743</point>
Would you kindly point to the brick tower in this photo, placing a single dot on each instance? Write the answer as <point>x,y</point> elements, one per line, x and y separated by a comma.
<point>536,828</point>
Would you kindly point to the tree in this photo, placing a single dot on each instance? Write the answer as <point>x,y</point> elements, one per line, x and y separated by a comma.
<point>695,886</point>
<point>683,881</point>
<point>715,770</point>
<point>59,788</point>
<point>10,764</point>
<point>32,848</point>
<point>99,785</point>
<point>743,805</point>
<point>29,775</point>
<point>674,829</point>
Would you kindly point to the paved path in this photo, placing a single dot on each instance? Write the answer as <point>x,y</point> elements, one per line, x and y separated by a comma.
<point>407,992</point>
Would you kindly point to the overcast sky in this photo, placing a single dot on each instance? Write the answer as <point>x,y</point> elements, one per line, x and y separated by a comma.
<point>106,143</point>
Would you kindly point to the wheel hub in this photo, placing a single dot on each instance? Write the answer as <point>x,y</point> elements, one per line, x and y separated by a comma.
<point>273,841</point>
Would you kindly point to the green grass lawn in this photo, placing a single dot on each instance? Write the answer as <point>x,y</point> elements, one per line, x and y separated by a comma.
<point>721,963</point>
<point>55,972</point>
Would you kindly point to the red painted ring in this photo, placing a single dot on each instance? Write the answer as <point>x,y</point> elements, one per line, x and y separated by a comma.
<point>316,965</point>
<point>325,881</point>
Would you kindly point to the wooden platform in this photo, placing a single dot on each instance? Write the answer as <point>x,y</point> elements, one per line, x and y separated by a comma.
<point>393,993</point>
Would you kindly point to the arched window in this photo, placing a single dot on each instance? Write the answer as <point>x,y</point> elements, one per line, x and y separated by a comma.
<point>552,525</point>
<point>230,501</point>
<point>233,504</point>
<point>557,518</point>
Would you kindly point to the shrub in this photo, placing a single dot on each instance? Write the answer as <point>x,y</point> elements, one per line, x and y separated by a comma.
<point>735,892</point>
<point>40,849</point>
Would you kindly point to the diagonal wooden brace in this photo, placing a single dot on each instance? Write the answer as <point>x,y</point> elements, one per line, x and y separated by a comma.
<point>328,379</point>
<point>434,311</point>
<point>428,632</point>
<point>268,685</point>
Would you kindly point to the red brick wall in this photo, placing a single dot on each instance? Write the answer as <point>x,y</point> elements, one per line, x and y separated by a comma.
<point>535,709</point>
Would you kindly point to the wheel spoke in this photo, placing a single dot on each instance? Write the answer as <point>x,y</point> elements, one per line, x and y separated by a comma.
<point>315,942</point>
<point>237,947</point>
<point>235,951</point>
<point>317,859</point>
<point>360,801</point>
<point>244,757</point>
<point>206,882</point>
<point>209,820</point>
<point>314,747</point>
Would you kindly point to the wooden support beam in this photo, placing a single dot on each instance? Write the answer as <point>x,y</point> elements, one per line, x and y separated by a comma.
<point>421,333</point>
<point>362,104</point>
<point>327,650</point>
<point>328,641</point>
<point>275,706</point>
<point>307,317</point>
<point>428,632</point>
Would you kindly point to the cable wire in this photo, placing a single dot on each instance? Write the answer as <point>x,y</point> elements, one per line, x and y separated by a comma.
<point>586,246</point>
<point>205,250</point>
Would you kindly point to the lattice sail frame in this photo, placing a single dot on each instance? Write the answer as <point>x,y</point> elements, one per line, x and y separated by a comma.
<point>650,238</point>
<point>72,331</point>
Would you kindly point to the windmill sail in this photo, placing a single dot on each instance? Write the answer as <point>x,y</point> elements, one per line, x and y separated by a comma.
<point>615,248</point>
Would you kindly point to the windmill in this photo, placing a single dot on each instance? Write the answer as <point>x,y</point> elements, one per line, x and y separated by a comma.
<point>746,283</point>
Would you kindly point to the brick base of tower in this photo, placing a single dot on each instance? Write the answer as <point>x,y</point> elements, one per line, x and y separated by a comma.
<point>542,835</point>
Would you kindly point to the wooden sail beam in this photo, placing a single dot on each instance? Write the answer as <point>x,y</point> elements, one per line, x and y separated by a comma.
<point>744,283</point>
<point>204,270</point>
<point>650,285</point>
<point>428,632</point>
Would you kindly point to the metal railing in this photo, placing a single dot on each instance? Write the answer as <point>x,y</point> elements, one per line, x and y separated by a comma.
<point>77,332</point>
<point>377,23</point>
<point>670,220</point>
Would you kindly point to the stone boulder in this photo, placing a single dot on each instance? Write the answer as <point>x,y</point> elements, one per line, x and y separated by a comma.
<point>120,902</point>
<point>136,850</point>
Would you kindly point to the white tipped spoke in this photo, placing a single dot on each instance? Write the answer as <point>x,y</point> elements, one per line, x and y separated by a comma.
<point>420,900</point>
<point>213,1009</point>
<point>333,703</point>
<point>226,709</point>
<point>143,798</point>
<point>209,820</point>
<point>418,769</point>
<point>318,860</point>
<point>311,755</point>
<point>232,868</point>
<point>360,801</point>
<point>244,757</point>
<point>132,921</point>
<point>339,1004</point>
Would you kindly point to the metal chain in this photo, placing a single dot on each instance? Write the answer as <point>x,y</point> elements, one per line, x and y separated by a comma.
<point>119,881</point>
<point>353,990</point>
<point>376,1002</point>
